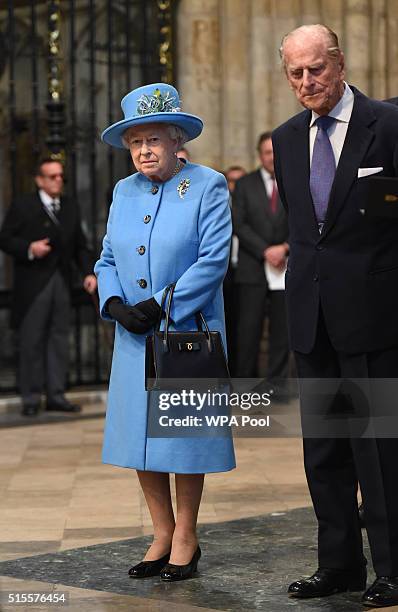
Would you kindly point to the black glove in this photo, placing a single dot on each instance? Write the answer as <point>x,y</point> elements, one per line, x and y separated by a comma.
<point>151,309</point>
<point>133,318</point>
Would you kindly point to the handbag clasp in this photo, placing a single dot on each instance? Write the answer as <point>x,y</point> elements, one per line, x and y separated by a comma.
<point>189,346</point>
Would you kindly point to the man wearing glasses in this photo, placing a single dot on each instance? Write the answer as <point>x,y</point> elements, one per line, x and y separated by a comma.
<point>42,232</point>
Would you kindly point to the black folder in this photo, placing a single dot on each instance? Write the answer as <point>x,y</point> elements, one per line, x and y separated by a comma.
<point>379,196</point>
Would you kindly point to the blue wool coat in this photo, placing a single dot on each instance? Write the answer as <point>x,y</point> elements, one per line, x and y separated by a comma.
<point>155,237</point>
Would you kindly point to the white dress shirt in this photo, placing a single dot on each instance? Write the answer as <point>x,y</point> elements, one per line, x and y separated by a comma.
<point>234,244</point>
<point>337,132</point>
<point>48,201</point>
<point>275,277</point>
<point>268,181</point>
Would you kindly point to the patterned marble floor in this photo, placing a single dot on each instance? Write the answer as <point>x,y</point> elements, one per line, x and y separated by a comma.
<point>56,496</point>
<point>246,565</point>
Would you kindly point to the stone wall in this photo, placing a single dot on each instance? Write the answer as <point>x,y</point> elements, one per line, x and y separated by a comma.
<point>228,69</point>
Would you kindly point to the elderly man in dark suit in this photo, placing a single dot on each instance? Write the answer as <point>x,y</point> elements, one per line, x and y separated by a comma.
<point>42,232</point>
<point>261,226</point>
<point>342,301</point>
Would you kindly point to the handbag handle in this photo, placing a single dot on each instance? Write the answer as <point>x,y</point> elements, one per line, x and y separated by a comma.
<point>162,304</point>
<point>201,322</point>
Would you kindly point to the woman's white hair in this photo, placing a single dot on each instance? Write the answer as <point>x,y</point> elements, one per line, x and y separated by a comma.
<point>175,132</point>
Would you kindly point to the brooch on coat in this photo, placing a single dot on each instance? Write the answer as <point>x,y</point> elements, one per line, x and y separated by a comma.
<point>183,187</point>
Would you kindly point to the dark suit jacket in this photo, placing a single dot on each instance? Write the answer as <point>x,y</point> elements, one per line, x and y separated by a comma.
<point>392,101</point>
<point>26,220</point>
<point>256,227</point>
<point>352,268</point>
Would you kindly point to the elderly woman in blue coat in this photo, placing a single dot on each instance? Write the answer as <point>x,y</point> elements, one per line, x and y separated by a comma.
<point>169,222</point>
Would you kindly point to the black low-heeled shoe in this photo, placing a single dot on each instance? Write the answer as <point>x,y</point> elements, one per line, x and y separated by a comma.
<point>172,572</point>
<point>146,569</point>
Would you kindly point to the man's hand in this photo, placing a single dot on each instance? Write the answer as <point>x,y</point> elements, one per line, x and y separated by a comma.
<point>90,283</point>
<point>40,248</point>
<point>276,255</point>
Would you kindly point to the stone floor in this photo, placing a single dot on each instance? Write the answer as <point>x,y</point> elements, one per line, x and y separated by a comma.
<point>70,524</point>
<point>92,399</point>
<point>246,565</point>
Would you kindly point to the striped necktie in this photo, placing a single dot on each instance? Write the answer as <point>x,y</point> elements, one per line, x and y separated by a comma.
<point>54,206</point>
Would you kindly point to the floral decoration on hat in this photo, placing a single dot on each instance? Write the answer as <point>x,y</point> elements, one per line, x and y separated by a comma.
<point>156,103</point>
<point>153,103</point>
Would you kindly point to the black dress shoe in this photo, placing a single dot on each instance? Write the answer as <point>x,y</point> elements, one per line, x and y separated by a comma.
<point>327,581</point>
<point>30,409</point>
<point>63,406</point>
<point>172,573</point>
<point>383,593</point>
<point>146,569</point>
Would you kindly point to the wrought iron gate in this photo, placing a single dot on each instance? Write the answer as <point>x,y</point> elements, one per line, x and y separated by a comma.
<point>64,67</point>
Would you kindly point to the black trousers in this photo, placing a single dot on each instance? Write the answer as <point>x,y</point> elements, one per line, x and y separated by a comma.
<point>43,343</point>
<point>230,311</point>
<point>255,302</point>
<point>335,464</point>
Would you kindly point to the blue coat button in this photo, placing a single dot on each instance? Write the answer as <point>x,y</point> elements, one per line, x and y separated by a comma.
<point>147,218</point>
<point>154,189</point>
<point>141,250</point>
<point>142,283</point>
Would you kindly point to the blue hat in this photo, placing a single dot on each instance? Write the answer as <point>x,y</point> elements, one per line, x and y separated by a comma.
<point>155,103</point>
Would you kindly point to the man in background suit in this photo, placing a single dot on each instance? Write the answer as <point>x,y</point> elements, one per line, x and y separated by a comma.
<point>342,301</point>
<point>42,232</point>
<point>261,226</point>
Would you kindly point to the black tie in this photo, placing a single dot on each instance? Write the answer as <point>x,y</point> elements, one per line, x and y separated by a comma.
<point>54,206</point>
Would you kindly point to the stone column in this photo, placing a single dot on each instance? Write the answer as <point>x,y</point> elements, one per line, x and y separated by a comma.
<point>357,43</point>
<point>235,93</point>
<point>332,15</point>
<point>263,57</point>
<point>310,12</point>
<point>199,75</point>
<point>392,49</point>
<point>229,71</point>
<point>378,66</point>
<point>285,17</point>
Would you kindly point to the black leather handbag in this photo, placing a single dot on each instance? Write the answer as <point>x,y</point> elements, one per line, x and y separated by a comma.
<point>172,357</point>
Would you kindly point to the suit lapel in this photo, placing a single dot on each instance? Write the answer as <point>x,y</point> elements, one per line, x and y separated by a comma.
<point>356,144</point>
<point>299,150</point>
<point>63,211</point>
<point>260,194</point>
<point>280,211</point>
<point>48,214</point>
<point>39,204</point>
